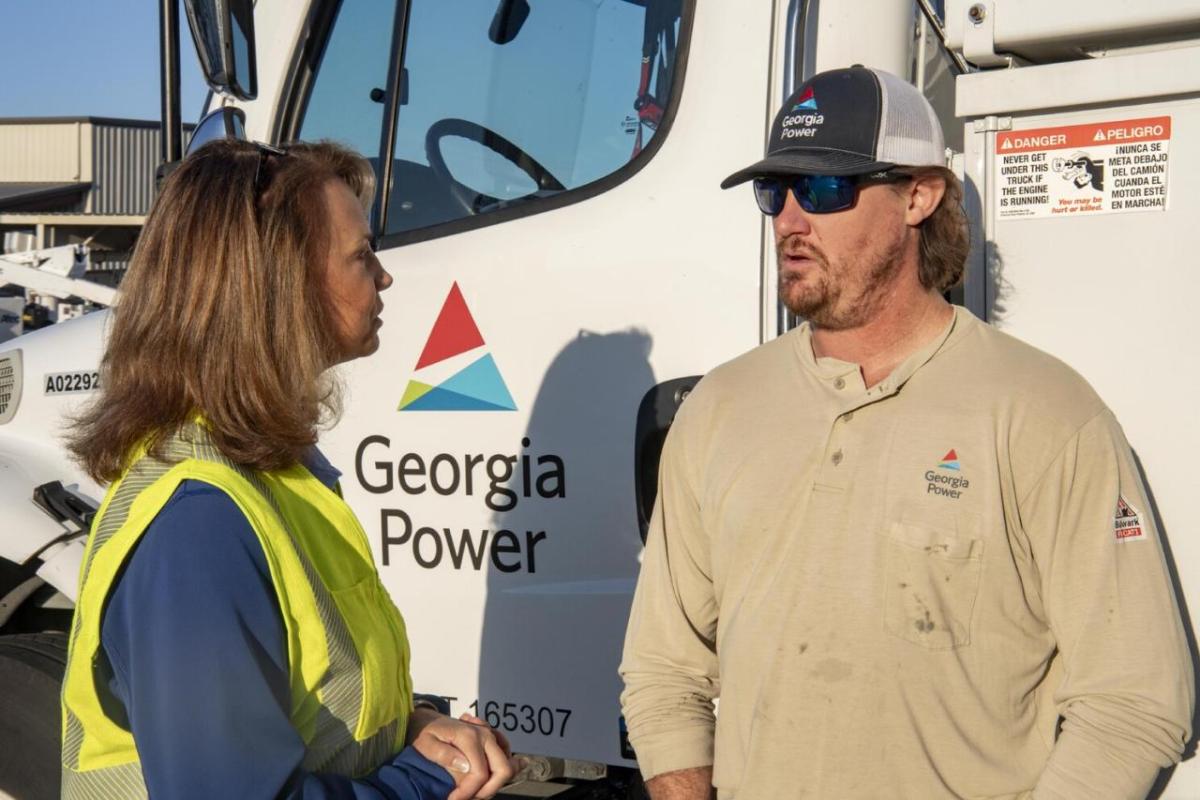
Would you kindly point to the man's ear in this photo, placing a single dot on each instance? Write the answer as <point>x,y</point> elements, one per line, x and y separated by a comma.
<point>924,195</point>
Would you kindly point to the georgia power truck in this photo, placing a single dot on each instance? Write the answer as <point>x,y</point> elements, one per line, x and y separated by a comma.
<point>565,266</point>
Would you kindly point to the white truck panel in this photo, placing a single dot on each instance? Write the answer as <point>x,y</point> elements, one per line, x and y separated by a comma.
<point>1115,79</point>
<point>27,528</point>
<point>1039,30</point>
<point>878,34</point>
<point>1112,294</point>
<point>32,450</point>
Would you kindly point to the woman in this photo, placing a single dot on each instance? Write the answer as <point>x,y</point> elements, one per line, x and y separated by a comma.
<point>232,637</point>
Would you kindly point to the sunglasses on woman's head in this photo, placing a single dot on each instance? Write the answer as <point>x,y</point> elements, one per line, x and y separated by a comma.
<point>265,151</point>
<point>816,194</point>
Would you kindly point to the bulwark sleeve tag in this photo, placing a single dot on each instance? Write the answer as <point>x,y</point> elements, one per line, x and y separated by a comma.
<point>1127,522</point>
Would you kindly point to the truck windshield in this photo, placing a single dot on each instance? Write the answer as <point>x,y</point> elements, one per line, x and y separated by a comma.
<point>575,92</point>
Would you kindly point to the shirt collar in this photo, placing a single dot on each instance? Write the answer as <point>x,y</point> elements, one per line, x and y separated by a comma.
<point>316,463</point>
<point>830,370</point>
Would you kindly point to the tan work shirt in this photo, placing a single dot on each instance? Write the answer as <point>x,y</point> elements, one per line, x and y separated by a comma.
<point>897,592</point>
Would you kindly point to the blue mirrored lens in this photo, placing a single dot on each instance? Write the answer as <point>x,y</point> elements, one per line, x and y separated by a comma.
<point>816,194</point>
<point>821,194</point>
<point>770,195</point>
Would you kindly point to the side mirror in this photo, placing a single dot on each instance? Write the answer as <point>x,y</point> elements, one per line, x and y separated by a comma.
<point>509,19</point>
<point>226,122</point>
<point>223,31</point>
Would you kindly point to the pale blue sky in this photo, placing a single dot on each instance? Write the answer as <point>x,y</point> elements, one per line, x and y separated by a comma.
<point>61,58</point>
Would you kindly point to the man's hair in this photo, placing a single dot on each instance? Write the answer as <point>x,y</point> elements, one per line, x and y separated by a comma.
<point>945,237</point>
<point>223,312</point>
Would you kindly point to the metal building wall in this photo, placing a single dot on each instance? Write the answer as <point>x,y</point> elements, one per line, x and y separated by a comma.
<point>44,152</point>
<point>124,159</point>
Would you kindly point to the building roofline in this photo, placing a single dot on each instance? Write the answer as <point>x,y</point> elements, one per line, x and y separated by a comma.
<point>115,121</point>
<point>23,193</point>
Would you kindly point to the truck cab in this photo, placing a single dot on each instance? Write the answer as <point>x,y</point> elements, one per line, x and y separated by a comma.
<point>566,267</point>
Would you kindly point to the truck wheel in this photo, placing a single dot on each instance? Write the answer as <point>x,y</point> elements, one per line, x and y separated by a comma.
<point>31,675</point>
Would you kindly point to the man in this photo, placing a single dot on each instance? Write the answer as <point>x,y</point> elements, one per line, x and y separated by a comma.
<point>911,554</point>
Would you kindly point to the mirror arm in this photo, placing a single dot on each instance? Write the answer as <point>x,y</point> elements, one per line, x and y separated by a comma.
<point>171,144</point>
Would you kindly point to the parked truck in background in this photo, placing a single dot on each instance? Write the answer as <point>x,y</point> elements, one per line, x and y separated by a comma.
<point>565,266</point>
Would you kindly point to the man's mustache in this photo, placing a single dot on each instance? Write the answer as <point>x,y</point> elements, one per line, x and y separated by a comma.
<point>795,247</point>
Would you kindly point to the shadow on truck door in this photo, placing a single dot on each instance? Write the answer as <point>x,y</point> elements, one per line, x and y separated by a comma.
<point>553,628</point>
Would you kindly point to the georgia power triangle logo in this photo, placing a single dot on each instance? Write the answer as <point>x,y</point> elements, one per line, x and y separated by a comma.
<point>942,482</point>
<point>478,386</point>
<point>808,101</point>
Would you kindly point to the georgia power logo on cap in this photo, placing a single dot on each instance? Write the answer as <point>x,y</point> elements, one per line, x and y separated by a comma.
<point>803,119</point>
<point>807,101</point>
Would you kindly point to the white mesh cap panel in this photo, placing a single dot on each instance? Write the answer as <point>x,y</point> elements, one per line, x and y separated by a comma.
<point>909,134</point>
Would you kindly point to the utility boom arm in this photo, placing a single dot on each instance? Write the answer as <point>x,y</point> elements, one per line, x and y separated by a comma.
<point>53,272</point>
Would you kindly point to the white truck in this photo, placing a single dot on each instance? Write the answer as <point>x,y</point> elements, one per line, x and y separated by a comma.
<point>565,265</point>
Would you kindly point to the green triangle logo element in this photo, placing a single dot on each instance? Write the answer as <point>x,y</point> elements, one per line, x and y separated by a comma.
<point>477,387</point>
<point>413,392</point>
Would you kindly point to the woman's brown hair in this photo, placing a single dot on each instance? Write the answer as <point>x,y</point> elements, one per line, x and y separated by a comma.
<point>945,237</point>
<point>223,312</point>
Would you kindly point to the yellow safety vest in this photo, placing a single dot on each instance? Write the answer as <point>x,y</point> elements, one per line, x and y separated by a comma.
<point>347,649</point>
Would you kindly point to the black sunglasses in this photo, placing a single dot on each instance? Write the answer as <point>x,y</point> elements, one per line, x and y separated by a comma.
<point>816,194</point>
<point>265,151</point>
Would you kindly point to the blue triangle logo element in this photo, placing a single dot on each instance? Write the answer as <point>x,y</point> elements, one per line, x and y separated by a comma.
<point>482,381</point>
<point>438,399</point>
<point>478,387</point>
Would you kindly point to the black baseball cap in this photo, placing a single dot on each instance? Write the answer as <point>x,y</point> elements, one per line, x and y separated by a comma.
<point>851,121</point>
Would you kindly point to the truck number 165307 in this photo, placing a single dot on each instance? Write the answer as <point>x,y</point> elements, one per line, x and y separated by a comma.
<point>522,717</point>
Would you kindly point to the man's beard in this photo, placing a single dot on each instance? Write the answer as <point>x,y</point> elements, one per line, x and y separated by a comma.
<point>836,296</point>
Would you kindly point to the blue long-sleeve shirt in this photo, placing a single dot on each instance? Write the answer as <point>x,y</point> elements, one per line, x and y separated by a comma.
<point>195,642</point>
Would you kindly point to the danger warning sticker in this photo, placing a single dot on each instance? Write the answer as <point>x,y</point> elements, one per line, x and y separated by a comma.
<point>1073,170</point>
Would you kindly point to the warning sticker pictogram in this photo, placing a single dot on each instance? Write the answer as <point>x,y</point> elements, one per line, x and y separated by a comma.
<point>1073,170</point>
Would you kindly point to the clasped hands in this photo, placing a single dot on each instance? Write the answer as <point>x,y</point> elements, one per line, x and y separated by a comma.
<point>477,756</point>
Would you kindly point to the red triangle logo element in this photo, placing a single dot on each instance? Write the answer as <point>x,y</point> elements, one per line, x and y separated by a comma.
<point>951,456</point>
<point>454,331</point>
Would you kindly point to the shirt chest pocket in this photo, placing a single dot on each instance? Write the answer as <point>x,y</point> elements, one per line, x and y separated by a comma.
<point>932,580</point>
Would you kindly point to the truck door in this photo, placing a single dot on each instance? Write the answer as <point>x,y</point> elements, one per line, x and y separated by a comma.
<point>559,245</point>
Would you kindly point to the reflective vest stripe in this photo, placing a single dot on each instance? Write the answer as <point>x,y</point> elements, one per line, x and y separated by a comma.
<point>123,781</point>
<point>113,514</point>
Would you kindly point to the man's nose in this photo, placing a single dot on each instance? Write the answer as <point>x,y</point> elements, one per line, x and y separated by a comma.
<point>792,219</point>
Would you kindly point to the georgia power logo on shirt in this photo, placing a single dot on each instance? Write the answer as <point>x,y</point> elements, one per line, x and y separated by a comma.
<point>1127,522</point>
<point>946,480</point>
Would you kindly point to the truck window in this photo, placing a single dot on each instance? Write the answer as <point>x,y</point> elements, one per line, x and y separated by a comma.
<point>342,105</point>
<point>561,104</point>
<point>504,103</point>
